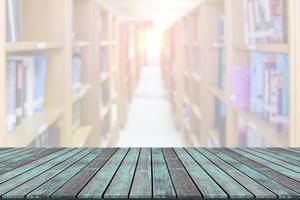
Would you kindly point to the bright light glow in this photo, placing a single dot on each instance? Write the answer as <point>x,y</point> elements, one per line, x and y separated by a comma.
<point>153,42</point>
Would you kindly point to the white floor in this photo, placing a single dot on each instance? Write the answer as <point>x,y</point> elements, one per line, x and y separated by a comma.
<point>150,122</point>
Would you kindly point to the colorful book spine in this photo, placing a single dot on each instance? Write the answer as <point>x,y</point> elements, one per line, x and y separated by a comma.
<point>39,93</point>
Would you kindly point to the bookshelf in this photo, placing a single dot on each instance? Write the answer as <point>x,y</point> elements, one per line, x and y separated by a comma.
<point>213,63</point>
<point>70,36</point>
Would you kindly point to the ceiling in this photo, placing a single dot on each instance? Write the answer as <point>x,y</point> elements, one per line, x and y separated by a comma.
<point>162,12</point>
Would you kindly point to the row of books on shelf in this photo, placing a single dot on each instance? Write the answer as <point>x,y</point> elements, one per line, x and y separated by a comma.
<point>248,136</point>
<point>25,88</point>
<point>263,88</point>
<point>49,138</point>
<point>265,21</point>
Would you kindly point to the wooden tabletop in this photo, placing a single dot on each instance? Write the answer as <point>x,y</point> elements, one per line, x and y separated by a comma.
<point>184,173</point>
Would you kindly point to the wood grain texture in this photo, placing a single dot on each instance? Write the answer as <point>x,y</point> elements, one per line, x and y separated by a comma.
<point>183,184</point>
<point>121,183</point>
<point>143,176</point>
<point>261,178</point>
<point>71,188</point>
<point>47,189</point>
<point>98,184</point>
<point>149,173</point>
<point>162,183</point>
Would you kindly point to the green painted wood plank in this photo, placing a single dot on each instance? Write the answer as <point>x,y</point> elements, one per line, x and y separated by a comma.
<point>274,166</point>
<point>52,185</point>
<point>258,166</point>
<point>71,188</point>
<point>21,179</point>
<point>184,186</point>
<point>121,183</point>
<point>142,182</point>
<point>296,150</point>
<point>16,163</point>
<point>255,188</point>
<point>208,187</point>
<point>98,184</point>
<point>22,190</point>
<point>280,190</point>
<point>14,173</point>
<point>274,160</point>
<point>278,156</point>
<point>162,183</point>
<point>285,153</point>
<point>229,185</point>
<point>17,156</point>
<point>5,150</point>
<point>10,152</point>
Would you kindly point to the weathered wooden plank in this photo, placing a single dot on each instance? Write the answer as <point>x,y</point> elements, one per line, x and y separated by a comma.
<point>280,190</point>
<point>121,183</point>
<point>98,184</point>
<point>229,185</point>
<point>52,185</point>
<point>285,153</point>
<point>71,188</point>
<point>10,152</point>
<point>295,150</point>
<point>4,149</point>
<point>208,187</point>
<point>22,190</point>
<point>272,165</point>
<point>22,178</point>
<point>17,156</point>
<point>184,186</point>
<point>162,183</point>
<point>14,173</point>
<point>40,153</point>
<point>255,188</point>
<point>278,156</point>
<point>277,161</point>
<point>142,182</point>
<point>282,179</point>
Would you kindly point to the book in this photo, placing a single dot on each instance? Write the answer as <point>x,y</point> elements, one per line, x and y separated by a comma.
<point>221,69</point>
<point>13,20</point>
<point>49,138</point>
<point>76,71</point>
<point>240,84</point>
<point>11,81</point>
<point>39,92</point>
<point>29,63</point>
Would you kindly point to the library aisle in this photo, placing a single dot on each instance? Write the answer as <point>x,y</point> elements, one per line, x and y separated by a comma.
<point>150,119</point>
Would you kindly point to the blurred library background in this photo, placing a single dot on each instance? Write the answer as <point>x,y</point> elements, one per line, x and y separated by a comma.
<point>141,73</point>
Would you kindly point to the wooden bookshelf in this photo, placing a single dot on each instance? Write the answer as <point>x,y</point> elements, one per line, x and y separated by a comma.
<point>199,35</point>
<point>78,28</point>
